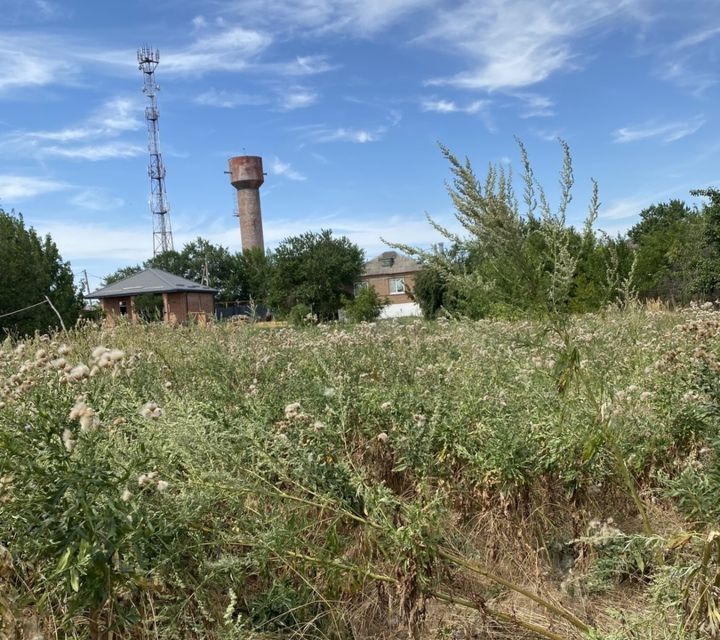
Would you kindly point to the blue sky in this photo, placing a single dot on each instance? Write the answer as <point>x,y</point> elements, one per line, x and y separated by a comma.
<point>346,101</point>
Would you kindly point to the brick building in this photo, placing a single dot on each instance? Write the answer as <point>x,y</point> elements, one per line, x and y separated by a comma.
<point>392,275</point>
<point>182,299</point>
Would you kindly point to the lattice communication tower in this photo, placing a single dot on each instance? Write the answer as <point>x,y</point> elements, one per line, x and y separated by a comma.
<point>148,60</point>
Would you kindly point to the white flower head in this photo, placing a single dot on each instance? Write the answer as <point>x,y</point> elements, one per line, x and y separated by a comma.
<point>68,440</point>
<point>292,410</point>
<point>79,372</point>
<point>151,411</point>
<point>98,352</point>
<point>89,422</point>
<point>115,355</point>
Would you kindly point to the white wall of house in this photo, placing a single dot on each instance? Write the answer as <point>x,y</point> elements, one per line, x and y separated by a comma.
<point>402,310</point>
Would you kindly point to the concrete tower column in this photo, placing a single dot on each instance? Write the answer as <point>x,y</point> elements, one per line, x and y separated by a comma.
<point>246,175</point>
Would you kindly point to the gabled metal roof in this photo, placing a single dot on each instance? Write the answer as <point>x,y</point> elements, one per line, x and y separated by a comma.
<point>389,263</point>
<point>150,281</point>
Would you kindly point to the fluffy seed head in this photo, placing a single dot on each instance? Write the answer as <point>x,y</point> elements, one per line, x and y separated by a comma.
<point>68,440</point>
<point>79,372</point>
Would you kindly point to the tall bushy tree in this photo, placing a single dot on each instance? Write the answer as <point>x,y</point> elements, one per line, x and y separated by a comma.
<point>314,269</point>
<point>669,241</point>
<point>32,268</point>
<point>511,260</point>
<point>708,265</point>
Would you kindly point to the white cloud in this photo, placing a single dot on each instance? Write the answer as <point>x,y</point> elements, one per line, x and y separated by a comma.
<point>341,134</point>
<point>297,98</point>
<point>107,151</point>
<point>26,66</point>
<point>114,118</point>
<point>300,66</point>
<point>99,242</point>
<point>228,99</point>
<point>279,168</point>
<point>696,38</point>
<point>199,22</point>
<point>687,72</point>
<point>232,49</point>
<point>510,45</point>
<point>119,114</point>
<point>358,17</point>
<point>549,135</point>
<point>14,187</point>
<point>450,106</point>
<point>95,199</point>
<point>536,106</point>
<point>622,212</point>
<point>665,131</point>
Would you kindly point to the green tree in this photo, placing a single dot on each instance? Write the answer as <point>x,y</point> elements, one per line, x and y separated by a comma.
<point>669,241</point>
<point>429,290</point>
<point>314,269</point>
<point>122,273</point>
<point>32,268</point>
<point>708,264</point>
<point>256,268</point>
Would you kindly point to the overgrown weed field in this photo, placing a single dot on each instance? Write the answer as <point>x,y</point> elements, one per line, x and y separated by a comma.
<point>434,480</point>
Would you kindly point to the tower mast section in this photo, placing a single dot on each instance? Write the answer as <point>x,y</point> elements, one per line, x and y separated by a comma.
<point>148,60</point>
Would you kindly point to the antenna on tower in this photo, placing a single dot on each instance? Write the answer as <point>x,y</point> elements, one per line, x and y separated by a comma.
<point>148,59</point>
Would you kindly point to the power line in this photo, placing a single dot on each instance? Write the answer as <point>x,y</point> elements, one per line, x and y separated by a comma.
<point>5,315</point>
<point>37,304</point>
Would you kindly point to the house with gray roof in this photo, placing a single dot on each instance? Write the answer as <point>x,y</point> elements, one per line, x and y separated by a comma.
<point>183,299</point>
<point>392,275</point>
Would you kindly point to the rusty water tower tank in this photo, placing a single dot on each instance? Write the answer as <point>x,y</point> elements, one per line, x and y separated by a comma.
<point>246,175</point>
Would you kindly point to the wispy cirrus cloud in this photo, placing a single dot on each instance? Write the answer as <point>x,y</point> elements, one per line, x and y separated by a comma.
<point>664,131</point>
<point>285,169</point>
<point>297,98</point>
<point>300,66</point>
<point>28,63</point>
<point>511,45</point>
<point>96,139</point>
<point>348,134</point>
<point>95,152</point>
<point>696,38</point>
<point>450,106</point>
<point>229,99</point>
<point>15,187</point>
<point>231,49</point>
<point>535,105</point>
<point>362,18</point>
<point>96,199</point>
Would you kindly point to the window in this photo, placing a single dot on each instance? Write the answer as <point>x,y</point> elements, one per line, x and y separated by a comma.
<point>359,286</point>
<point>397,285</point>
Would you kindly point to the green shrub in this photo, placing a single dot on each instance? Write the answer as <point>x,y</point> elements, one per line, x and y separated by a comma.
<point>365,306</point>
<point>300,315</point>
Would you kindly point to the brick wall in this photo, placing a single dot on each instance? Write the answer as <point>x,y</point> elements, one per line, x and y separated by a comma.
<point>175,307</point>
<point>112,306</point>
<point>381,284</point>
